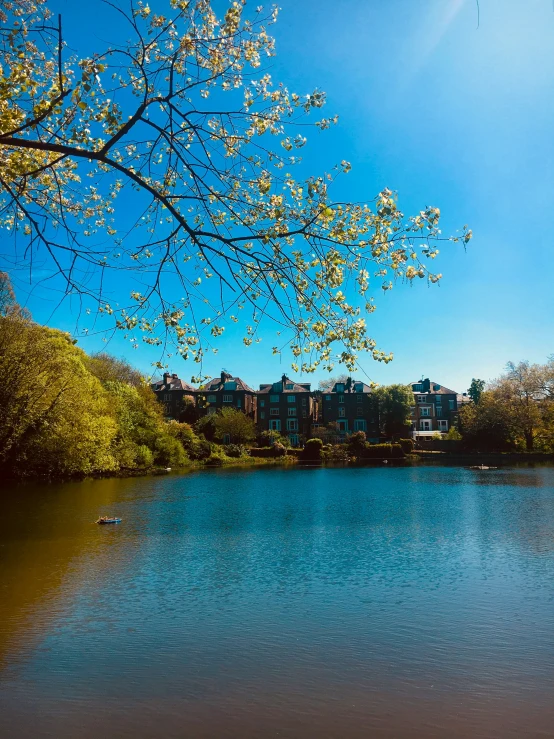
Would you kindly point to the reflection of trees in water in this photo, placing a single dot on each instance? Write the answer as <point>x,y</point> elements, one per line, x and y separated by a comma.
<point>195,542</point>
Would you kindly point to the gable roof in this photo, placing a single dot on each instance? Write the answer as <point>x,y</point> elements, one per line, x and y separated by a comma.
<point>348,388</point>
<point>173,383</point>
<point>218,384</point>
<point>441,391</point>
<point>280,387</point>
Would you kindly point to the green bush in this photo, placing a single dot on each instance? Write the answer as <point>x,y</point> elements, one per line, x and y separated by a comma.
<point>407,445</point>
<point>312,450</point>
<point>383,451</point>
<point>144,457</point>
<point>234,450</point>
<point>214,460</point>
<point>168,452</point>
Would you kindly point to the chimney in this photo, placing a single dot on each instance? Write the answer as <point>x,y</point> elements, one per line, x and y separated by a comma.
<point>167,378</point>
<point>349,385</point>
<point>284,380</point>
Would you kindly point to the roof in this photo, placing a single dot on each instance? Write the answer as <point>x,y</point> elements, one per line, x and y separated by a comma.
<point>281,387</point>
<point>218,384</point>
<point>174,383</point>
<point>432,385</point>
<point>363,387</point>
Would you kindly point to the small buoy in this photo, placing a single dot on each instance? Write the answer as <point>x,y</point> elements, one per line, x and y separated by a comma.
<point>385,461</point>
<point>168,469</point>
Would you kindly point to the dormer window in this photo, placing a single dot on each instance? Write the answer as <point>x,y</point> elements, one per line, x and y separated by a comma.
<point>340,387</point>
<point>289,386</point>
<point>358,387</point>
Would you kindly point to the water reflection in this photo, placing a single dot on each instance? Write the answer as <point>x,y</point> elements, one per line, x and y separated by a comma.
<point>304,602</point>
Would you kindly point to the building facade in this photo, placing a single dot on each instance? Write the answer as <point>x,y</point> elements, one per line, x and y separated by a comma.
<point>287,407</point>
<point>226,391</point>
<point>435,408</point>
<point>353,407</point>
<point>174,394</point>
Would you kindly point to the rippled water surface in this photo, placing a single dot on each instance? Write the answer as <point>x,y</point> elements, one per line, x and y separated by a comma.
<point>408,602</point>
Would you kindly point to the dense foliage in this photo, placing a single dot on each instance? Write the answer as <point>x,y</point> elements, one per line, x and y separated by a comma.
<point>514,412</point>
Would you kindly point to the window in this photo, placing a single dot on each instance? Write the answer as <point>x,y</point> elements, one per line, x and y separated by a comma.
<point>289,386</point>
<point>292,424</point>
<point>451,404</point>
<point>274,411</point>
<point>273,398</point>
<point>327,397</point>
<point>359,411</point>
<point>438,399</point>
<point>293,438</point>
<point>359,398</point>
<point>424,411</point>
<point>425,425</point>
<point>341,398</point>
<point>417,387</point>
<point>304,414</point>
<point>227,398</point>
<point>262,415</point>
<point>226,438</point>
<point>262,403</point>
<point>304,401</point>
<point>359,425</point>
<point>230,386</point>
<point>343,426</point>
<point>167,396</point>
<point>291,398</point>
<point>239,402</point>
<point>412,410</point>
<point>439,411</point>
<point>358,387</point>
<point>275,425</point>
<point>340,387</point>
<point>443,425</point>
<point>292,411</point>
<point>342,412</point>
<point>421,398</point>
<point>212,399</point>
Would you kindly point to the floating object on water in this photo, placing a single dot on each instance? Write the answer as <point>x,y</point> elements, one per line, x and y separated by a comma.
<point>482,467</point>
<point>108,519</point>
<point>168,469</point>
<point>385,461</point>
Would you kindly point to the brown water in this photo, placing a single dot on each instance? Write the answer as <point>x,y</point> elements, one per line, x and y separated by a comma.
<point>340,603</point>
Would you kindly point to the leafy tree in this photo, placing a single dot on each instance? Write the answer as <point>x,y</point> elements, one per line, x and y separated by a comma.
<point>395,403</point>
<point>183,122</point>
<point>357,443</point>
<point>107,368</point>
<point>205,426</point>
<point>475,389</point>
<point>328,433</point>
<point>234,424</point>
<point>487,426</point>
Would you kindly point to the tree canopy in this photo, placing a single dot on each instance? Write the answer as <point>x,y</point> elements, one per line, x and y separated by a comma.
<point>182,126</point>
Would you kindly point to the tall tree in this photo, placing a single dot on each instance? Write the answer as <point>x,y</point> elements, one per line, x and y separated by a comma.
<point>395,403</point>
<point>234,424</point>
<point>182,127</point>
<point>475,389</point>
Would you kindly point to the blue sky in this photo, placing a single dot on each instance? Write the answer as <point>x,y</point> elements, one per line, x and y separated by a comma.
<point>447,115</point>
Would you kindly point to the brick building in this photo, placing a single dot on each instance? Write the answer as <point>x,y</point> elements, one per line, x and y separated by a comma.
<point>174,394</point>
<point>353,407</point>
<point>435,408</point>
<point>287,407</point>
<point>226,391</point>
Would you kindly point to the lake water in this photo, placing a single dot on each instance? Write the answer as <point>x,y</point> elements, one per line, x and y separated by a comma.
<point>406,602</point>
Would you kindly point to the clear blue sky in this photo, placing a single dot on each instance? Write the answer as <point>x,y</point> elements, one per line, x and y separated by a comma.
<point>447,115</point>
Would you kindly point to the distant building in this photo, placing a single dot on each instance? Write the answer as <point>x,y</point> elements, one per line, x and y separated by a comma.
<point>435,408</point>
<point>226,391</point>
<point>287,407</point>
<point>174,394</point>
<point>353,407</point>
